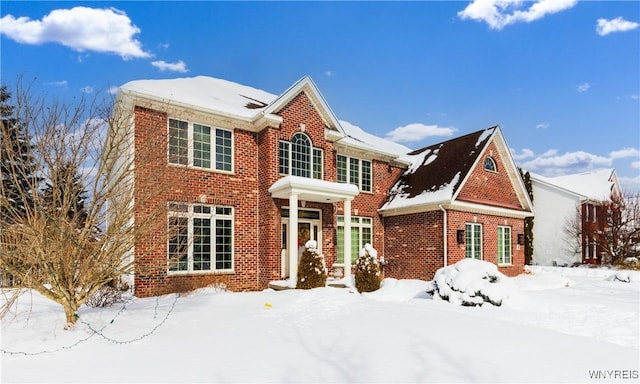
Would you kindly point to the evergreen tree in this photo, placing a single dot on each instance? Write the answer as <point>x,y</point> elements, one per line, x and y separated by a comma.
<point>17,164</point>
<point>312,271</point>
<point>528,222</point>
<point>64,195</point>
<point>368,276</point>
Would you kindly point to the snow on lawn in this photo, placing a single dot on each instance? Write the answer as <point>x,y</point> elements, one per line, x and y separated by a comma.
<point>557,328</point>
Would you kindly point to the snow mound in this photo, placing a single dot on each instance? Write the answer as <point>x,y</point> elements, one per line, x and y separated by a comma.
<point>625,276</point>
<point>471,282</point>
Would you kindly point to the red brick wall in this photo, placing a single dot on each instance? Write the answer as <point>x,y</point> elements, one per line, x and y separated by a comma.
<point>181,184</point>
<point>456,220</point>
<point>413,245</point>
<point>492,188</point>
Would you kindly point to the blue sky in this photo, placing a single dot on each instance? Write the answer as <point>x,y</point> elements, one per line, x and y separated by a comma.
<point>561,77</point>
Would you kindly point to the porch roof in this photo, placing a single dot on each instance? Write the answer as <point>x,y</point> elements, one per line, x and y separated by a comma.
<point>307,189</point>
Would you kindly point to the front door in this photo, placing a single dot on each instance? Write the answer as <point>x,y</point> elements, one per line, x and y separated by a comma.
<point>307,230</point>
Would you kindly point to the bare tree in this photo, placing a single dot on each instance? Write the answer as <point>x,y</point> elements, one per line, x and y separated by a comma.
<point>622,228</point>
<point>65,253</point>
<point>611,231</point>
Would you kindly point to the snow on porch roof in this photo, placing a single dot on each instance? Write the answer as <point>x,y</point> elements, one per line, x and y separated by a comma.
<point>312,189</point>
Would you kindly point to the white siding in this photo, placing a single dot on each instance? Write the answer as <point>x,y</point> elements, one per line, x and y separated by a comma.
<point>553,207</point>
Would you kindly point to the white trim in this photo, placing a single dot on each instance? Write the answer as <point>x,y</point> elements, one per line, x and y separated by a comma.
<point>320,191</point>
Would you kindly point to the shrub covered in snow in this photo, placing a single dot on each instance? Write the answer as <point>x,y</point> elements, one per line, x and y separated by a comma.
<point>471,282</point>
<point>312,270</point>
<point>625,276</point>
<point>367,275</point>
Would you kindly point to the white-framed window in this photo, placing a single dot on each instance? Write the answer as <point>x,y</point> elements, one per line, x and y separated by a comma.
<point>299,157</point>
<point>504,245</point>
<point>361,234</point>
<point>200,238</point>
<point>200,146</point>
<point>354,171</point>
<point>473,240</point>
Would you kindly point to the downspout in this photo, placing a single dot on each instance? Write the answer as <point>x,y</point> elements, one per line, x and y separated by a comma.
<point>444,233</point>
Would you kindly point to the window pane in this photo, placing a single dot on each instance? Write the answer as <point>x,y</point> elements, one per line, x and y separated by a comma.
<point>317,163</point>
<point>354,171</point>
<point>224,151</point>
<point>224,249</point>
<point>355,244</point>
<point>366,176</point>
<point>478,242</point>
<point>178,243</point>
<point>283,157</point>
<point>201,244</point>
<point>341,165</point>
<point>340,245</point>
<point>178,142</point>
<point>301,155</point>
<point>201,146</point>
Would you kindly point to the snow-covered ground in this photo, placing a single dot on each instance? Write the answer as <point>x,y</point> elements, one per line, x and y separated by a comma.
<point>560,325</point>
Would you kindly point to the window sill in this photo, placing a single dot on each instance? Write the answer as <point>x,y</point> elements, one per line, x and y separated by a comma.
<point>208,170</point>
<point>505,265</point>
<point>197,273</point>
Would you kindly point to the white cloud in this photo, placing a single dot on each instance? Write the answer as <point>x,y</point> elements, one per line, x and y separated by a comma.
<point>625,152</point>
<point>584,87</point>
<point>525,154</point>
<point>543,125</point>
<point>500,13</point>
<point>635,165</point>
<point>552,164</point>
<point>328,73</point>
<point>630,183</point>
<point>162,65</point>
<point>105,30</point>
<point>87,89</point>
<point>417,131</point>
<point>605,27</point>
<point>61,84</point>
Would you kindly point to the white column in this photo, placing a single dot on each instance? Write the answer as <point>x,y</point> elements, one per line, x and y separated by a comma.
<point>293,239</point>
<point>347,238</point>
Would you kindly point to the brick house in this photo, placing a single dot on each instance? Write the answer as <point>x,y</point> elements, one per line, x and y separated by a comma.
<point>249,176</point>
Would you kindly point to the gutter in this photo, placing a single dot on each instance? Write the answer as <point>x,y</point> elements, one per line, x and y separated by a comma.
<point>444,233</point>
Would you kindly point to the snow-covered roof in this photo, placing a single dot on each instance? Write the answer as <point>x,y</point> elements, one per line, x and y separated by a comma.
<point>241,101</point>
<point>357,137</point>
<point>207,93</point>
<point>437,171</point>
<point>594,185</point>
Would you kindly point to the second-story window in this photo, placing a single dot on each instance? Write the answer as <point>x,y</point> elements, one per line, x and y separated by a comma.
<point>200,146</point>
<point>299,158</point>
<point>354,171</point>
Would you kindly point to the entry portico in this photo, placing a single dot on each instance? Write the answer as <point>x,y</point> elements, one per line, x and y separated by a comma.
<point>295,189</point>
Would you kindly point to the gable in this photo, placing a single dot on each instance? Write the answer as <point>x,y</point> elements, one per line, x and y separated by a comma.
<point>488,187</point>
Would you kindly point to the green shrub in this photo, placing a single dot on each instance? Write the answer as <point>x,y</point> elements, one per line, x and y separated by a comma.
<point>368,276</point>
<point>312,271</point>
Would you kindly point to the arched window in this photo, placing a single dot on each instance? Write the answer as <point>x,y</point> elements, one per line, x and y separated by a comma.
<point>298,157</point>
<point>490,164</point>
<point>301,155</point>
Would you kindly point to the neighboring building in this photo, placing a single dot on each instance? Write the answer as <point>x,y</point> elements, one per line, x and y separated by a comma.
<point>571,214</point>
<point>249,176</point>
